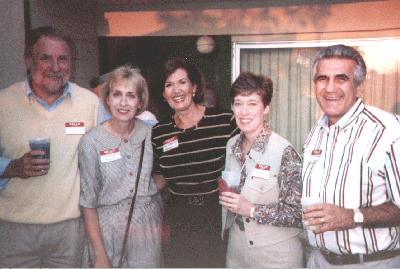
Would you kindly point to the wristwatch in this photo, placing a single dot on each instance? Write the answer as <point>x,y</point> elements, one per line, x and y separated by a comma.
<point>358,216</point>
<point>252,212</point>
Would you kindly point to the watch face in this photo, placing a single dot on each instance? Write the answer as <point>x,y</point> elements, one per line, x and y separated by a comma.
<point>358,217</point>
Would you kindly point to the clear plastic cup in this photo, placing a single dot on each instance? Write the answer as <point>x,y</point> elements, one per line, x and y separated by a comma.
<point>42,144</point>
<point>307,201</point>
<point>229,181</point>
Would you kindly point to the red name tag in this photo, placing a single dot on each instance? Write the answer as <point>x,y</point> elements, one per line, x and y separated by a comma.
<point>74,124</point>
<point>316,152</point>
<point>108,151</point>
<point>263,167</point>
<point>170,143</point>
<point>171,139</point>
<point>109,155</point>
<point>75,128</point>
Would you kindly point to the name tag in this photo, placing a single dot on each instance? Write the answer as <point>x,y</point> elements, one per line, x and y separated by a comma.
<point>170,143</point>
<point>74,128</point>
<point>315,155</point>
<point>261,171</point>
<point>109,155</point>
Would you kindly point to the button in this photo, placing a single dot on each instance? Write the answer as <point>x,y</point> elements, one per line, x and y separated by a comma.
<point>131,190</point>
<point>125,140</point>
<point>251,242</point>
<point>247,220</point>
<point>130,173</point>
<point>129,156</point>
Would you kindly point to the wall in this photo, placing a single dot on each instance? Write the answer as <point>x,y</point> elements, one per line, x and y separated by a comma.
<point>248,18</point>
<point>12,40</point>
<point>85,20</point>
<point>77,19</point>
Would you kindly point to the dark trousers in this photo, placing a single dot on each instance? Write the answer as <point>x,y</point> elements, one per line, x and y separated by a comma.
<point>195,232</point>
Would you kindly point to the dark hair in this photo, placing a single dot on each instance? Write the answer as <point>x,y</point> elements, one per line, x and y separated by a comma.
<point>135,78</point>
<point>194,74</point>
<point>45,31</point>
<point>343,52</point>
<point>248,83</point>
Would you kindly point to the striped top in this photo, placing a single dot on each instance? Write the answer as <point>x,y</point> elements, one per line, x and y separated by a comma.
<point>192,159</point>
<point>355,163</point>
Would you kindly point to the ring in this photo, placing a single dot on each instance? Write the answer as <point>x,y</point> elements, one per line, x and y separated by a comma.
<point>322,220</point>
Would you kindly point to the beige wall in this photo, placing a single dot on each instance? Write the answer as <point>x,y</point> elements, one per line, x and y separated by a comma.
<point>77,19</point>
<point>261,19</point>
<point>12,39</point>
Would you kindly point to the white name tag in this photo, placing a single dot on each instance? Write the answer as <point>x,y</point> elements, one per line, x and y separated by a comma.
<point>261,171</point>
<point>315,155</point>
<point>170,143</point>
<point>109,155</point>
<point>74,128</point>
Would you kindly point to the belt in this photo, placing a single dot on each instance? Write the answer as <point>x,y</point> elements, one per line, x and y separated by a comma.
<point>337,259</point>
<point>195,200</point>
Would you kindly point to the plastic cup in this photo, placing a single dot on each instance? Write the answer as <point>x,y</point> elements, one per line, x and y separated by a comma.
<point>42,144</point>
<point>307,201</point>
<point>229,181</point>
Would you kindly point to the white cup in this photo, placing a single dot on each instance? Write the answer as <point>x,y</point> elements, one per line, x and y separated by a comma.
<point>307,201</point>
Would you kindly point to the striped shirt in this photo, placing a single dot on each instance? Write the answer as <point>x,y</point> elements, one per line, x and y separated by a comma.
<point>354,163</point>
<point>192,159</point>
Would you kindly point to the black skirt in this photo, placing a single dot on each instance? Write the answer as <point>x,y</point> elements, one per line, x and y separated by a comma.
<point>192,232</point>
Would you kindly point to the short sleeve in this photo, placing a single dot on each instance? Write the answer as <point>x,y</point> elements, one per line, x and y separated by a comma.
<point>89,172</point>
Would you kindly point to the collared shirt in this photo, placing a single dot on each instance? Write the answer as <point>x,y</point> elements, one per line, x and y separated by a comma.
<point>287,211</point>
<point>49,107</point>
<point>354,164</point>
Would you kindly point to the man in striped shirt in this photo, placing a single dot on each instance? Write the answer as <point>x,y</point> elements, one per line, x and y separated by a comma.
<point>352,164</point>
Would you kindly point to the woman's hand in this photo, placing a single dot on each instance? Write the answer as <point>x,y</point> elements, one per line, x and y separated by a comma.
<point>235,203</point>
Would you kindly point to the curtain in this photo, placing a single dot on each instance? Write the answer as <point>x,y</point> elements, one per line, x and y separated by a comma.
<point>293,109</point>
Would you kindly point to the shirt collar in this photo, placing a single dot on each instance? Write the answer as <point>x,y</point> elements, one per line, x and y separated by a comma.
<point>258,146</point>
<point>30,94</point>
<point>347,118</point>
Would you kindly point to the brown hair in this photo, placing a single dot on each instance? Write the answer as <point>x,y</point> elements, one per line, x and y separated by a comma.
<point>194,74</point>
<point>248,83</point>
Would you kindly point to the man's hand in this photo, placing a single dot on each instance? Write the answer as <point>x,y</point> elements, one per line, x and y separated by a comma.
<point>27,166</point>
<point>328,217</point>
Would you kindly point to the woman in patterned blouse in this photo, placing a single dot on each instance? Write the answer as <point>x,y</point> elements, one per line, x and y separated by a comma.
<point>264,217</point>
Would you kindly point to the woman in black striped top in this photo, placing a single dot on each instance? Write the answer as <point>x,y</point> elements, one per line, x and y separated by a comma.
<point>189,154</point>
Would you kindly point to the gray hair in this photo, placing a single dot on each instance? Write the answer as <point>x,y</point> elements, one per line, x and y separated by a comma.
<point>343,52</point>
<point>35,34</point>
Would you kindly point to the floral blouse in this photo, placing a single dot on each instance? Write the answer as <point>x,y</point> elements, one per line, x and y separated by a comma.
<point>287,212</point>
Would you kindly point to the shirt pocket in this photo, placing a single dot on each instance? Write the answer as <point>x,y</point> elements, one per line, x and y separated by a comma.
<point>262,185</point>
